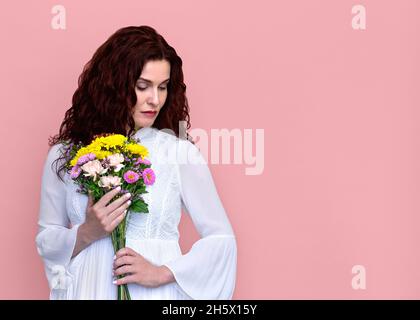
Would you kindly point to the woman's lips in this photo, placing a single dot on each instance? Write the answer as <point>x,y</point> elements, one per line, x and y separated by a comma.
<point>149,114</point>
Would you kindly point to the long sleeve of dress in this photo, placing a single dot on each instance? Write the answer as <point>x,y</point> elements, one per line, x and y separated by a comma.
<point>55,241</point>
<point>208,270</point>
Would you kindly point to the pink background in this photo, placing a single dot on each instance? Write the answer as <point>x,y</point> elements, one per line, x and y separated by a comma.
<point>339,108</point>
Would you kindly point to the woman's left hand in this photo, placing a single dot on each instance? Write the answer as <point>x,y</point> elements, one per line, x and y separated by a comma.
<point>136,269</point>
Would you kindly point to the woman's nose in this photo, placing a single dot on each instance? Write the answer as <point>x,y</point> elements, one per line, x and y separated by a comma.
<point>154,99</point>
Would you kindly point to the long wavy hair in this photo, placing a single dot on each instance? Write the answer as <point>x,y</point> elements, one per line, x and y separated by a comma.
<point>105,98</point>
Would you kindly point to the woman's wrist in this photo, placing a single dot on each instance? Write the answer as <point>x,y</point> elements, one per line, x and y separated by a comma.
<point>83,239</point>
<point>85,235</point>
<point>165,275</point>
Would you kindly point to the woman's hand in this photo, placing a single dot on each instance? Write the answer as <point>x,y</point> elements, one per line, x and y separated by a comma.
<point>139,270</point>
<point>102,218</point>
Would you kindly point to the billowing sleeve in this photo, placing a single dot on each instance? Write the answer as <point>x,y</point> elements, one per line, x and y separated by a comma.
<point>208,270</point>
<point>55,241</point>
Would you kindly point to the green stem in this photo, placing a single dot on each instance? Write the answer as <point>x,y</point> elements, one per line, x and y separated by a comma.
<point>118,242</point>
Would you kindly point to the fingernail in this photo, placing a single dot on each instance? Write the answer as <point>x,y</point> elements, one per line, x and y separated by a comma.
<point>118,188</point>
<point>114,282</point>
<point>125,211</point>
<point>114,256</point>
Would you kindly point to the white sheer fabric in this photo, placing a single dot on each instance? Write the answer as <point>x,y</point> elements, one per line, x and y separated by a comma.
<point>183,180</point>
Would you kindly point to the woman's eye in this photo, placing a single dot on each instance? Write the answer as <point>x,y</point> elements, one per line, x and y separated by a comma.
<point>144,88</point>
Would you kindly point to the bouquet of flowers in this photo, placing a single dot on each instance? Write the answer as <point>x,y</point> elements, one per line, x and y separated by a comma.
<point>109,161</point>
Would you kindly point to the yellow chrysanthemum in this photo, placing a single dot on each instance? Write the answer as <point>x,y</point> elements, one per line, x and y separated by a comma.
<point>102,147</point>
<point>111,141</point>
<point>80,152</point>
<point>103,154</point>
<point>107,142</point>
<point>137,149</point>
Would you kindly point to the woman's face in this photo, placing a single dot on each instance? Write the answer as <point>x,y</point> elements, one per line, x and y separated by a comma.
<point>151,90</point>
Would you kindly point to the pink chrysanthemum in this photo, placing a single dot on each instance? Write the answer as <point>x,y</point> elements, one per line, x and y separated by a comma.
<point>85,158</point>
<point>149,176</point>
<point>75,172</point>
<point>143,161</point>
<point>131,176</point>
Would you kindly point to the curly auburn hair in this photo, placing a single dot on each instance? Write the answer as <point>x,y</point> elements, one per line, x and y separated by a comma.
<point>105,98</point>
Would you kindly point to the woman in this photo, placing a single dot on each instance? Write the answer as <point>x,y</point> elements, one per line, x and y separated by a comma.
<point>133,85</point>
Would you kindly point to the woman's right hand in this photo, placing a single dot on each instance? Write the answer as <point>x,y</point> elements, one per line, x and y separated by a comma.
<point>102,218</point>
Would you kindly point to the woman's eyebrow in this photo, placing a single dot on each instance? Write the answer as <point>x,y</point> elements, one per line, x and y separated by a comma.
<point>149,81</point>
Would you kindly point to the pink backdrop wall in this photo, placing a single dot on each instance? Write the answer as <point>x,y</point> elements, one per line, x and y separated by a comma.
<point>339,109</point>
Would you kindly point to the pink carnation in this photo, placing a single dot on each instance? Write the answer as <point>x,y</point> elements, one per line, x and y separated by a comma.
<point>85,158</point>
<point>149,176</point>
<point>143,161</point>
<point>131,176</point>
<point>75,172</point>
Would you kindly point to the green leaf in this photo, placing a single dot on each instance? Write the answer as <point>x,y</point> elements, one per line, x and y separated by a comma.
<point>139,206</point>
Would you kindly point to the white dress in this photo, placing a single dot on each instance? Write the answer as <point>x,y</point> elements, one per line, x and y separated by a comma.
<point>183,180</point>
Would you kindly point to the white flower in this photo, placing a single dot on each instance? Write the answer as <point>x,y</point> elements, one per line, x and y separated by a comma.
<point>115,160</point>
<point>118,168</point>
<point>93,168</point>
<point>109,181</point>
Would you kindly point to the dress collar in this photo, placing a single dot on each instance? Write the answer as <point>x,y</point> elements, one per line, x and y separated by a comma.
<point>144,132</point>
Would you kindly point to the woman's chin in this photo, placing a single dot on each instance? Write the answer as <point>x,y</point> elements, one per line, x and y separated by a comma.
<point>145,125</point>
